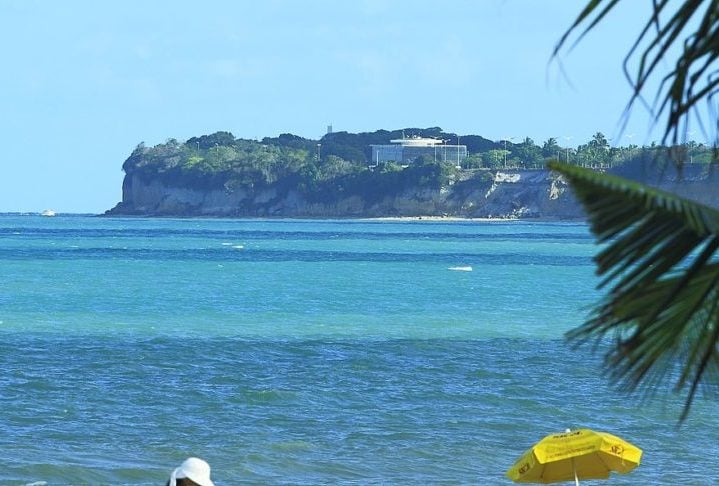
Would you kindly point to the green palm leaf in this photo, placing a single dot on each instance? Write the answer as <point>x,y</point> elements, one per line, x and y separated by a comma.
<point>689,28</point>
<point>662,277</point>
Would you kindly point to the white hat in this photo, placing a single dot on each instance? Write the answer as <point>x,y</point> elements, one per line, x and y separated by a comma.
<point>195,469</point>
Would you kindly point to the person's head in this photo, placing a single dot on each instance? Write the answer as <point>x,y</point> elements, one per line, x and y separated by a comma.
<point>184,482</point>
<point>192,472</point>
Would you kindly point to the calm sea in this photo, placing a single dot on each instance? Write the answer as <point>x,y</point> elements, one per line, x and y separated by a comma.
<point>308,352</point>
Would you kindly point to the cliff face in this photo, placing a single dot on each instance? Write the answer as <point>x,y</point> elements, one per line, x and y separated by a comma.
<point>505,194</point>
<point>500,194</point>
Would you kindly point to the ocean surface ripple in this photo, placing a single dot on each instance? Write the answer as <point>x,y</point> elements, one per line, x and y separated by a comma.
<point>308,352</point>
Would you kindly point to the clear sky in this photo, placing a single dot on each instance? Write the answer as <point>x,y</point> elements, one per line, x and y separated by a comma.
<point>83,82</point>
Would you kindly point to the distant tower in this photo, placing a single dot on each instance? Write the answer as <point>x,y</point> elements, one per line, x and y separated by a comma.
<point>329,128</point>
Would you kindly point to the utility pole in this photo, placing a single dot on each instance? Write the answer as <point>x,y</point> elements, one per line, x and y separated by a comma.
<point>568,139</point>
<point>458,166</point>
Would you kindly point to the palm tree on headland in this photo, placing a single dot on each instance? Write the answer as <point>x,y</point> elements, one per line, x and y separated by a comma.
<point>660,264</point>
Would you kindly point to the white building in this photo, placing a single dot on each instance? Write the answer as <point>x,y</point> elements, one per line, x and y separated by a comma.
<point>406,150</point>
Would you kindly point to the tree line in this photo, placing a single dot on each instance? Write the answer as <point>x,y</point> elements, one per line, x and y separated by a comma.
<point>341,161</point>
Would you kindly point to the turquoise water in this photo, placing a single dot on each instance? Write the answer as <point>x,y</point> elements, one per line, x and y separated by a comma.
<point>308,352</point>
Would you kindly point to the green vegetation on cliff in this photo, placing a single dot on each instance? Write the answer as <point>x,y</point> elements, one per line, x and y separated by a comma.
<point>335,166</point>
<point>339,165</point>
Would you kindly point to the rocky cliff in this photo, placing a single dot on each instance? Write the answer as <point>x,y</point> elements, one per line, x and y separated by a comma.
<point>479,194</point>
<point>485,194</point>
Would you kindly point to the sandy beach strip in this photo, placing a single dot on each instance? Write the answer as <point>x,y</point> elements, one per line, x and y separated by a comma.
<point>439,218</point>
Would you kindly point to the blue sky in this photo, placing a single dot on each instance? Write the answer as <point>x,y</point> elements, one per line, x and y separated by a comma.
<point>83,82</point>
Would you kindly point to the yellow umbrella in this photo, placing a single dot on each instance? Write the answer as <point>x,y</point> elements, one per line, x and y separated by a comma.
<point>574,455</point>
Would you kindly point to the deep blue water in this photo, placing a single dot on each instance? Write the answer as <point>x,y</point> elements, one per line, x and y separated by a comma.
<point>308,352</point>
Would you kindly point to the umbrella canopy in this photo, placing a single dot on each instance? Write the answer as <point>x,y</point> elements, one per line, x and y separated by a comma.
<point>574,455</point>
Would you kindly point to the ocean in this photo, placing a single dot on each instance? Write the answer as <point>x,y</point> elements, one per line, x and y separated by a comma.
<point>309,352</point>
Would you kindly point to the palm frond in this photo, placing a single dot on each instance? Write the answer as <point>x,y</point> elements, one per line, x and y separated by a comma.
<point>690,27</point>
<point>661,270</point>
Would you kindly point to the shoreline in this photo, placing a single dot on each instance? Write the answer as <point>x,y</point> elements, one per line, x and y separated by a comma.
<point>442,218</point>
<point>429,218</point>
<point>474,219</point>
